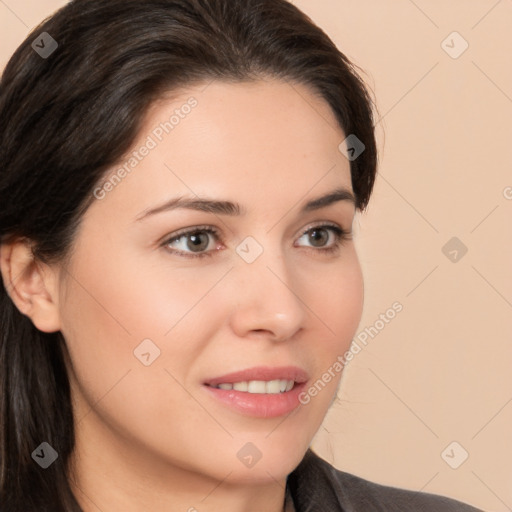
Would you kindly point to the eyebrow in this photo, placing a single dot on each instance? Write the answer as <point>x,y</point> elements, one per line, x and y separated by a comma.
<point>229,208</point>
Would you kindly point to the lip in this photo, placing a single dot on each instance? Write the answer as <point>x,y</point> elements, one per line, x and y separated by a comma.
<point>259,405</point>
<point>262,373</point>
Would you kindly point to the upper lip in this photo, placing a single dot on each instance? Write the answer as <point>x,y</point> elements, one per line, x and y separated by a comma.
<point>266,373</point>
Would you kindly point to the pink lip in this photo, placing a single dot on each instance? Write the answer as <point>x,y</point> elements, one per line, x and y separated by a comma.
<point>261,373</point>
<point>259,405</point>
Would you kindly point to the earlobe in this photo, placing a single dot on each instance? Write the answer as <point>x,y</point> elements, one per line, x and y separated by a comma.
<point>31,285</point>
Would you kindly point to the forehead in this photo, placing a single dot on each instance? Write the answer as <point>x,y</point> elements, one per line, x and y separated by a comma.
<point>267,142</point>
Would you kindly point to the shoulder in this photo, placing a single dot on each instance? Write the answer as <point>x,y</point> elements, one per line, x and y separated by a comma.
<point>316,485</point>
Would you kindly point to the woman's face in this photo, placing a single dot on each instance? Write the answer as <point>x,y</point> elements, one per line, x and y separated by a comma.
<point>151,315</point>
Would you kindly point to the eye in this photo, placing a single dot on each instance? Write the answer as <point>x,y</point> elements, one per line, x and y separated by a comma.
<point>326,237</point>
<point>196,242</point>
<point>202,241</point>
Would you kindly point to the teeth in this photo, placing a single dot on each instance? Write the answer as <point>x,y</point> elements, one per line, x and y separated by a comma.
<point>272,387</point>
<point>240,386</point>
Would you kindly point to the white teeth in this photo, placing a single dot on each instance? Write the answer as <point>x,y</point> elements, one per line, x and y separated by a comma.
<point>272,387</point>
<point>240,386</point>
<point>256,386</point>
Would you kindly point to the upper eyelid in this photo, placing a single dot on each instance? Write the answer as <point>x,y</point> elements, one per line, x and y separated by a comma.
<point>324,224</point>
<point>207,227</point>
<point>193,229</point>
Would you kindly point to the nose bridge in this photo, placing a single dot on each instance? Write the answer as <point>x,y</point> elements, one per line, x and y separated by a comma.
<point>266,296</point>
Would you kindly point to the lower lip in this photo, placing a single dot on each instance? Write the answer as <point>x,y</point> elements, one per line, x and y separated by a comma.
<point>259,405</point>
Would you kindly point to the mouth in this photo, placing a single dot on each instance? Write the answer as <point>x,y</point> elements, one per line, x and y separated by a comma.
<point>262,392</point>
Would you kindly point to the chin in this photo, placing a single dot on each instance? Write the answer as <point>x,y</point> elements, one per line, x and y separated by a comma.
<point>267,460</point>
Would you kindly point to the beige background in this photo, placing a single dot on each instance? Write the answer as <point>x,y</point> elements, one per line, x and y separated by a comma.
<point>440,371</point>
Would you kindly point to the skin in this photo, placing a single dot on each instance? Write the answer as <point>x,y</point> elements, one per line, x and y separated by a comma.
<point>151,437</point>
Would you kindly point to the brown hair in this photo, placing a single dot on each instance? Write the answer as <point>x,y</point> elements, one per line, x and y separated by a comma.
<point>67,116</point>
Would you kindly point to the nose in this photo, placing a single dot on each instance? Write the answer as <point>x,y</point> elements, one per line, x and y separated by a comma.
<point>266,300</point>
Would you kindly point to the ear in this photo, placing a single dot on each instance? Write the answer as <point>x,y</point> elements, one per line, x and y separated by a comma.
<point>31,284</point>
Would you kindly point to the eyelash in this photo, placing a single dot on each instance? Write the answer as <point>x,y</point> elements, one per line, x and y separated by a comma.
<point>340,234</point>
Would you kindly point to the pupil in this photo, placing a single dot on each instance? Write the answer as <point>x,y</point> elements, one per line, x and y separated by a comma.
<point>319,235</point>
<point>198,242</point>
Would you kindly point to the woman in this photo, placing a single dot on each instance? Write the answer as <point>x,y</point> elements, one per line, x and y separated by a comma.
<point>178,185</point>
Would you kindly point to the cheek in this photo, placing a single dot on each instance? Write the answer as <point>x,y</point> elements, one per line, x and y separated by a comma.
<point>344,303</point>
<point>98,336</point>
<point>109,312</point>
<point>336,298</point>
<point>103,325</point>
